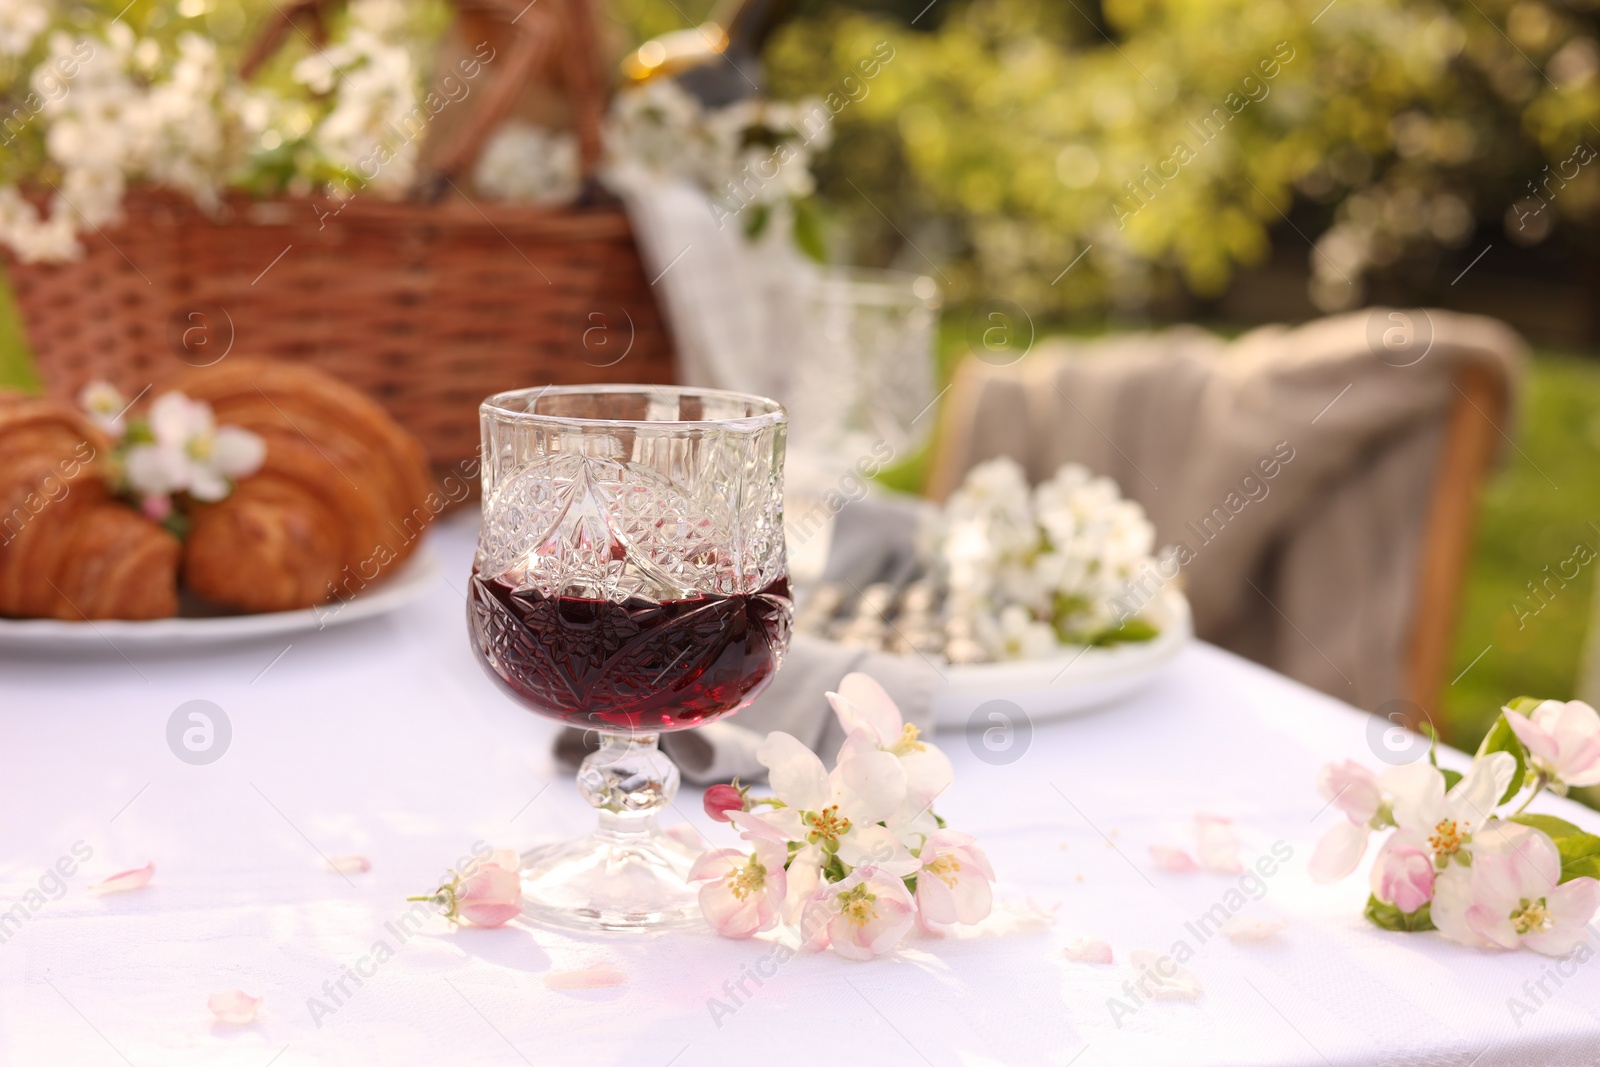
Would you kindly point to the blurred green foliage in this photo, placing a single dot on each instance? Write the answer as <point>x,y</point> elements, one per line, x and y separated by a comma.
<point>1002,143</point>
<point>1539,507</point>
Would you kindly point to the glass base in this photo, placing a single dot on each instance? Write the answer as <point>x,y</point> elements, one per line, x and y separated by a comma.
<point>628,874</point>
<point>608,881</point>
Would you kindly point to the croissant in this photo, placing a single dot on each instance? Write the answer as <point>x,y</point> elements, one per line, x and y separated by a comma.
<point>342,496</point>
<point>68,549</point>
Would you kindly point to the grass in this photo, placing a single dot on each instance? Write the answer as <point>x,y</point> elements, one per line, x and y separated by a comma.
<point>1541,504</point>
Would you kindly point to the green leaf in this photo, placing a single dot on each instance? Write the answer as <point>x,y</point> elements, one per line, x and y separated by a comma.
<point>1132,630</point>
<point>1392,918</point>
<point>757,222</point>
<point>1501,738</point>
<point>1524,705</point>
<point>1580,851</point>
<point>808,231</point>
<point>1450,779</point>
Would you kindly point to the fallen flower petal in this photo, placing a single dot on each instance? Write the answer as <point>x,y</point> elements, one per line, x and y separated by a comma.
<point>123,881</point>
<point>1162,976</point>
<point>354,863</point>
<point>235,1007</point>
<point>1240,928</point>
<point>1219,844</point>
<point>1172,859</point>
<point>1087,950</point>
<point>600,977</point>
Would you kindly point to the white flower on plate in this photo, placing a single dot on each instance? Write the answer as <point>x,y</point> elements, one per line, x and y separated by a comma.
<point>1024,637</point>
<point>190,453</point>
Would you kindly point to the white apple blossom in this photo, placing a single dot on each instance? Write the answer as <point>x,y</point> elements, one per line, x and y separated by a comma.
<point>1563,740</point>
<point>1031,571</point>
<point>190,453</point>
<point>1447,820</point>
<point>744,892</point>
<point>866,710</point>
<point>528,164</point>
<point>863,915</point>
<point>953,883</point>
<point>1512,896</point>
<point>105,407</point>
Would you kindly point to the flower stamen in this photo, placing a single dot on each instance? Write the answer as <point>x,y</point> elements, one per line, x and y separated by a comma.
<point>751,878</point>
<point>1531,917</point>
<point>826,825</point>
<point>946,868</point>
<point>907,742</point>
<point>857,905</point>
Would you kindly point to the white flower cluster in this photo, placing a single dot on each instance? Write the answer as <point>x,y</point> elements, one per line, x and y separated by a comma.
<point>524,163</point>
<point>116,122</point>
<point>376,90</point>
<point>752,151</point>
<point>1031,571</point>
<point>129,111</point>
<point>116,108</point>
<point>20,22</point>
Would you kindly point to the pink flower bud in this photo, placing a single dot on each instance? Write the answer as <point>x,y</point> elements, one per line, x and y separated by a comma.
<point>1403,873</point>
<point>721,799</point>
<point>490,893</point>
<point>156,508</point>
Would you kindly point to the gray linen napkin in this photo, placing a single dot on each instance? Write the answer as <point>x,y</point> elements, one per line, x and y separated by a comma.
<point>873,541</point>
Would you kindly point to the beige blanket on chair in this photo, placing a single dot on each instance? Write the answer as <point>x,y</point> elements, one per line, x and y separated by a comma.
<point>1292,468</point>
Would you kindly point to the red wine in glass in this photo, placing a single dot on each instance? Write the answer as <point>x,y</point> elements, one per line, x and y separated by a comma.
<point>635,666</point>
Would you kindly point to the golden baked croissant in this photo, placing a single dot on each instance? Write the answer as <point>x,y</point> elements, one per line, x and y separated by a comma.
<point>342,496</point>
<point>68,549</point>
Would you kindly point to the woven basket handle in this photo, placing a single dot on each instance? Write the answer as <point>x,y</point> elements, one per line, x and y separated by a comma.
<point>535,28</point>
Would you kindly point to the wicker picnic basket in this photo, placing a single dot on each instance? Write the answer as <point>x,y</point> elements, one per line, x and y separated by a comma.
<point>428,304</point>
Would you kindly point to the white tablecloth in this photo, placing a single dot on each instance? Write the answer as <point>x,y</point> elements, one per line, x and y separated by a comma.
<point>384,739</point>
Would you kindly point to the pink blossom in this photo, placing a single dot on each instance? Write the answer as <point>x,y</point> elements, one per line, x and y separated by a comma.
<point>721,799</point>
<point>602,976</point>
<point>354,863</point>
<point>744,892</point>
<point>1512,897</point>
<point>1087,950</point>
<point>123,881</point>
<point>1403,873</point>
<point>861,916</point>
<point>953,881</point>
<point>1219,843</point>
<point>156,508</point>
<point>490,892</point>
<point>1169,858</point>
<point>235,1007</point>
<point>1563,740</point>
<point>1352,789</point>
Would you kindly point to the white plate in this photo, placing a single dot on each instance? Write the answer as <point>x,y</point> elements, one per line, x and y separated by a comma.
<point>410,581</point>
<point>1076,681</point>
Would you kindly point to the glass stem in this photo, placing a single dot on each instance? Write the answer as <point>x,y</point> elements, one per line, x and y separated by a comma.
<point>629,780</point>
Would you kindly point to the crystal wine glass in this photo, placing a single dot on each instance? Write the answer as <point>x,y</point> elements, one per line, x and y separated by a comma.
<point>630,579</point>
